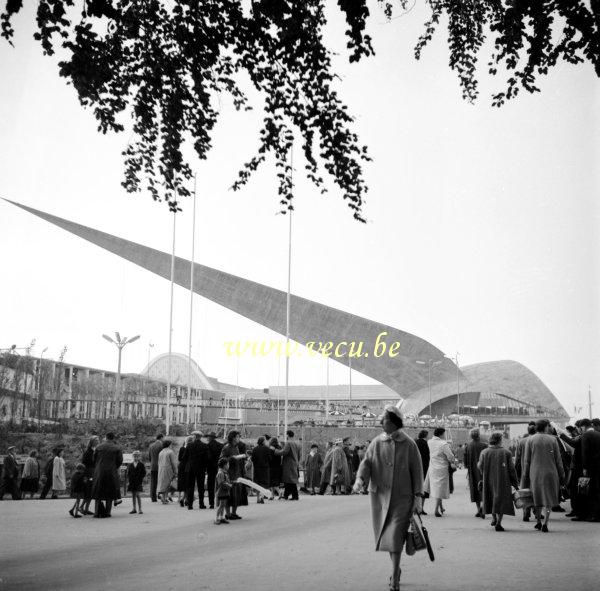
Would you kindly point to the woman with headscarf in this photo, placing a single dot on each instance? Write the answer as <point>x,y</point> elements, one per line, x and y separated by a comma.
<point>167,471</point>
<point>30,479</point>
<point>497,474</point>
<point>437,481</point>
<point>89,461</point>
<point>393,471</point>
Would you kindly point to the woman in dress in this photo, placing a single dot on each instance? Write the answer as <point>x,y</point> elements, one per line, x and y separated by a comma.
<point>437,481</point>
<point>498,474</point>
<point>393,471</point>
<point>167,471</point>
<point>543,472</point>
<point>236,458</point>
<point>30,479</point>
<point>59,474</point>
<point>89,461</point>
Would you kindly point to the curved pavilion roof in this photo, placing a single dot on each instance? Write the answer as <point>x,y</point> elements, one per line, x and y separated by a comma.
<point>158,369</point>
<point>509,378</point>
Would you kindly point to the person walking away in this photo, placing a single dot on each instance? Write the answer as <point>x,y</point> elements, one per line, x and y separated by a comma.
<point>421,442</point>
<point>326,473</point>
<point>136,472</point>
<point>183,472</point>
<point>30,479</point>
<point>48,475</point>
<point>197,461</point>
<point>261,461</point>
<point>214,453</point>
<point>579,504</point>
<point>59,475</point>
<point>498,475</point>
<point>275,466</point>
<point>312,469</point>
<point>153,451</point>
<point>89,461</point>
<point>590,456</point>
<point>10,475</point>
<point>106,485</point>
<point>339,468</point>
<point>290,455</point>
<point>231,452</point>
<point>437,481</point>
<point>222,490</point>
<point>393,471</point>
<point>519,462</point>
<point>542,472</point>
<point>167,472</point>
<point>77,490</point>
<point>471,458</point>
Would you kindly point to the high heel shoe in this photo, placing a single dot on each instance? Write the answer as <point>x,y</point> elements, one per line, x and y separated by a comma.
<point>392,586</point>
<point>438,514</point>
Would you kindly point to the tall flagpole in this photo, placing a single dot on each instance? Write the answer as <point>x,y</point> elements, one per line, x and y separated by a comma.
<point>168,421</point>
<point>327,392</point>
<point>288,300</point>
<point>189,392</point>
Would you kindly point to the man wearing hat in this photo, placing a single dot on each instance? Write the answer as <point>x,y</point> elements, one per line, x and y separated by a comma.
<point>214,453</point>
<point>196,463</point>
<point>10,475</point>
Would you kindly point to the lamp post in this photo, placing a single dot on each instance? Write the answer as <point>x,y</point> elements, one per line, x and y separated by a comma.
<point>120,344</point>
<point>429,363</point>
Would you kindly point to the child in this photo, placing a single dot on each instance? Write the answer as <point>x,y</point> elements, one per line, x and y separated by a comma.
<point>136,471</point>
<point>77,490</point>
<point>222,486</point>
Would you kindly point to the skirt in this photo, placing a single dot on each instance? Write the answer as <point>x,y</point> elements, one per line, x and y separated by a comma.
<point>30,485</point>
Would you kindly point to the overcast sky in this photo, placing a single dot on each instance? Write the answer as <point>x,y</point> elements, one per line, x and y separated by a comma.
<point>482,235</point>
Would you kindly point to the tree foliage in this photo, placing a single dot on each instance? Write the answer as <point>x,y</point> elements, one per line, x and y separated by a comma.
<point>162,64</point>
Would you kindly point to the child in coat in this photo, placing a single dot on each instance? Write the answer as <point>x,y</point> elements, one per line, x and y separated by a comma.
<point>222,488</point>
<point>77,490</point>
<point>136,471</point>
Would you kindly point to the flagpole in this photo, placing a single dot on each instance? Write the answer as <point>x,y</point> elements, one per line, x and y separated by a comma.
<point>191,316</point>
<point>168,418</point>
<point>288,302</point>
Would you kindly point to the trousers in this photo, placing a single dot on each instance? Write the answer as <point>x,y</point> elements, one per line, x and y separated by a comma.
<point>153,485</point>
<point>10,485</point>
<point>290,488</point>
<point>195,477</point>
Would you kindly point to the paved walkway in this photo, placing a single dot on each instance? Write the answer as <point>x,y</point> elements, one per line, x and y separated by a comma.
<point>317,543</point>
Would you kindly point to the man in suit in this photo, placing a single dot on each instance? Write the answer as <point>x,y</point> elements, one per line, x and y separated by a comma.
<point>106,486</point>
<point>10,475</point>
<point>196,462</point>
<point>214,453</point>
<point>291,456</point>
<point>153,451</point>
<point>590,457</point>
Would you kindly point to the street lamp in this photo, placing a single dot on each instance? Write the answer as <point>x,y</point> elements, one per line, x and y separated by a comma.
<point>120,344</point>
<point>429,363</point>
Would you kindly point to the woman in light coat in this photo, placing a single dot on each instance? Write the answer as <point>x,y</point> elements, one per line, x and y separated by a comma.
<point>437,482</point>
<point>30,479</point>
<point>393,471</point>
<point>543,472</point>
<point>167,471</point>
<point>340,473</point>
<point>59,474</point>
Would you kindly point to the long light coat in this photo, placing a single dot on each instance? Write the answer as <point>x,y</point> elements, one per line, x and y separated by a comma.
<point>167,469</point>
<point>377,469</point>
<point>59,474</point>
<point>437,482</point>
<point>542,469</point>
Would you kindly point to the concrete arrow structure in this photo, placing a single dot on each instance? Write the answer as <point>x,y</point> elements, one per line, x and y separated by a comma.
<point>309,321</point>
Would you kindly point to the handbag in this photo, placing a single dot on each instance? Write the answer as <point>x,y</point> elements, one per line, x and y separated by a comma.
<point>523,498</point>
<point>418,537</point>
<point>583,485</point>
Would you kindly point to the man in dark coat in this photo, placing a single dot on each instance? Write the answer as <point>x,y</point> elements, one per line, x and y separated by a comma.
<point>590,457</point>
<point>48,474</point>
<point>421,442</point>
<point>153,451</point>
<point>289,466</point>
<point>261,460</point>
<point>579,504</point>
<point>214,453</point>
<point>10,475</point>
<point>472,453</point>
<point>105,487</point>
<point>196,463</point>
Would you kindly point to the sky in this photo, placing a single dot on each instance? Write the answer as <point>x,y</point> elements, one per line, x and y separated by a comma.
<point>482,234</point>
